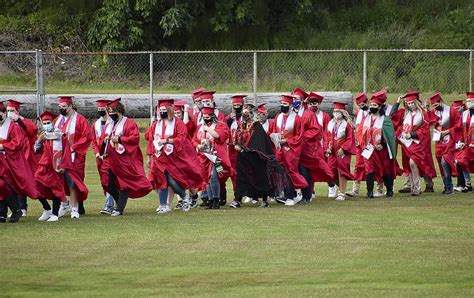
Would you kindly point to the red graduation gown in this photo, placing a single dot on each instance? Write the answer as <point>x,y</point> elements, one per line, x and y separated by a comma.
<point>359,169</point>
<point>182,164</point>
<point>341,165</point>
<point>98,147</point>
<point>465,157</point>
<point>128,167</point>
<point>14,168</point>
<point>31,132</point>
<point>79,144</point>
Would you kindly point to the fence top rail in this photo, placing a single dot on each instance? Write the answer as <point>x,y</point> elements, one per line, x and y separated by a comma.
<point>245,51</point>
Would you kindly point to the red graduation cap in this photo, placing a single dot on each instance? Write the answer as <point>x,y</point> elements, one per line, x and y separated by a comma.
<point>238,99</point>
<point>300,92</point>
<point>47,116</point>
<point>458,103</point>
<point>382,94</point>
<point>179,105</point>
<point>197,93</point>
<point>469,94</point>
<point>339,106</point>
<point>165,102</point>
<point>412,95</point>
<point>314,97</point>
<point>65,99</point>
<point>435,98</point>
<point>360,98</point>
<point>261,108</point>
<point>2,106</point>
<point>287,98</point>
<point>102,103</point>
<point>114,103</point>
<point>208,94</point>
<point>208,110</point>
<point>14,104</point>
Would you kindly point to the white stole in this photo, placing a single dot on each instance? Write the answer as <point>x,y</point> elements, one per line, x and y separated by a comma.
<point>408,126</point>
<point>4,129</point>
<point>443,122</point>
<point>116,129</point>
<point>266,126</point>
<point>289,125</point>
<point>169,132</point>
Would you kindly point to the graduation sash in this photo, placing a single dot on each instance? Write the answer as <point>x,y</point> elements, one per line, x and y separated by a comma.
<point>266,126</point>
<point>360,119</point>
<point>337,133</point>
<point>286,128</point>
<point>411,119</point>
<point>443,122</point>
<point>163,131</point>
<point>116,129</point>
<point>206,138</point>
<point>4,129</point>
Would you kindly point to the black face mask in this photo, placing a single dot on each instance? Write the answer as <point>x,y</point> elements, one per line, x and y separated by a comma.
<point>364,108</point>
<point>439,108</point>
<point>284,109</point>
<point>238,110</point>
<point>63,112</point>
<point>114,117</point>
<point>373,110</point>
<point>101,113</point>
<point>163,115</point>
<point>207,121</point>
<point>1,117</point>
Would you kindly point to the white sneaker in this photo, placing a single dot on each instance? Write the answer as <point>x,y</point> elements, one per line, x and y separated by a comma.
<point>74,214</point>
<point>65,208</point>
<point>352,194</point>
<point>246,200</point>
<point>116,213</point>
<point>313,196</point>
<point>340,197</point>
<point>53,218</point>
<point>299,196</point>
<point>23,212</point>
<point>378,194</point>
<point>164,209</point>
<point>290,202</point>
<point>46,215</point>
<point>186,204</point>
<point>332,192</point>
<point>456,188</point>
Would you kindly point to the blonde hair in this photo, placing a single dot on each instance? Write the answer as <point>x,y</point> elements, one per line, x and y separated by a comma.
<point>346,116</point>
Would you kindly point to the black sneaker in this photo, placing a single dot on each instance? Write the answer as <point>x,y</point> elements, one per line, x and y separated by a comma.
<point>429,189</point>
<point>106,211</point>
<point>81,208</point>
<point>405,190</point>
<point>194,201</point>
<point>235,204</point>
<point>16,216</point>
<point>3,219</point>
<point>449,191</point>
<point>265,205</point>
<point>179,205</point>
<point>205,202</point>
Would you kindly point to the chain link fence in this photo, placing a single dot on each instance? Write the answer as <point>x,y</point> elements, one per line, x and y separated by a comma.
<point>140,78</point>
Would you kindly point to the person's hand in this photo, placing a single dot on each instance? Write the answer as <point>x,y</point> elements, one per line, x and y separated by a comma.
<point>61,170</point>
<point>461,145</point>
<point>237,148</point>
<point>148,161</point>
<point>1,147</point>
<point>378,147</point>
<point>400,98</point>
<point>199,147</point>
<point>407,136</point>
<point>283,141</point>
<point>97,155</point>
<point>162,141</point>
<point>340,152</point>
<point>115,139</point>
<point>42,136</point>
<point>471,145</point>
<point>444,132</point>
<point>186,108</point>
<point>206,128</point>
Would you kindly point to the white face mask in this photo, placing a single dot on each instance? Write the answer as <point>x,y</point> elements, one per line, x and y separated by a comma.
<point>470,105</point>
<point>10,114</point>
<point>337,115</point>
<point>412,106</point>
<point>48,127</point>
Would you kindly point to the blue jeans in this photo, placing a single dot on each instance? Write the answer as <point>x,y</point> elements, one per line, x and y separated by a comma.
<point>163,193</point>
<point>109,201</point>
<point>213,188</point>
<point>447,179</point>
<point>307,191</point>
<point>467,177</point>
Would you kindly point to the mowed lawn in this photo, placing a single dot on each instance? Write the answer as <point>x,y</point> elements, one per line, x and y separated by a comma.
<point>402,246</point>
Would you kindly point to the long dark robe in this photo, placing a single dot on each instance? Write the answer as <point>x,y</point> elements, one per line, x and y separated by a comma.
<point>258,172</point>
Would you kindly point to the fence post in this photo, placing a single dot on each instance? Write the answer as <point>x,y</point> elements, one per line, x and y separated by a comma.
<point>39,83</point>
<point>470,70</point>
<point>151,87</point>
<point>255,78</point>
<point>364,71</point>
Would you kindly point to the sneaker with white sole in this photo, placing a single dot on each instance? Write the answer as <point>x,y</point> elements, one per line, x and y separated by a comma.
<point>74,214</point>
<point>46,215</point>
<point>106,211</point>
<point>179,205</point>
<point>65,208</point>
<point>24,212</point>
<point>164,209</point>
<point>246,200</point>
<point>352,194</point>
<point>235,204</point>
<point>290,202</point>
<point>378,194</point>
<point>186,205</point>
<point>53,218</point>
<point>340,197</point>
<point>116,213</point>
<point>458,188</point>
<point>332,192</point>
<point>254,201</point>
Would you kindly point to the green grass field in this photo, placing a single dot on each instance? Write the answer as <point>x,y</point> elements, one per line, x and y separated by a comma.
<point>383,247</point>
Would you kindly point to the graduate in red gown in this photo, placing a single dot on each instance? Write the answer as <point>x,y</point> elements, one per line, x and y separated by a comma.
<point>447,132</point>
<point>122,147</point>
<point>340,147</point>
<point>465,146</point>
<point>413,134</point>
<point>31,131</point>
<point>362,103</point>
<point>49,180</point>
<point>171,157</point>
<point>262,117</point>
<point>98,128</point>
<point>210,141</point>
<point>16,178</point>
<point>461,165</point>
<point>313,163</point>
<point>288,139</point>
<point>76,141</point>
<point>197,104</point>
<point>207,100</point>
<point>379,145</point>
